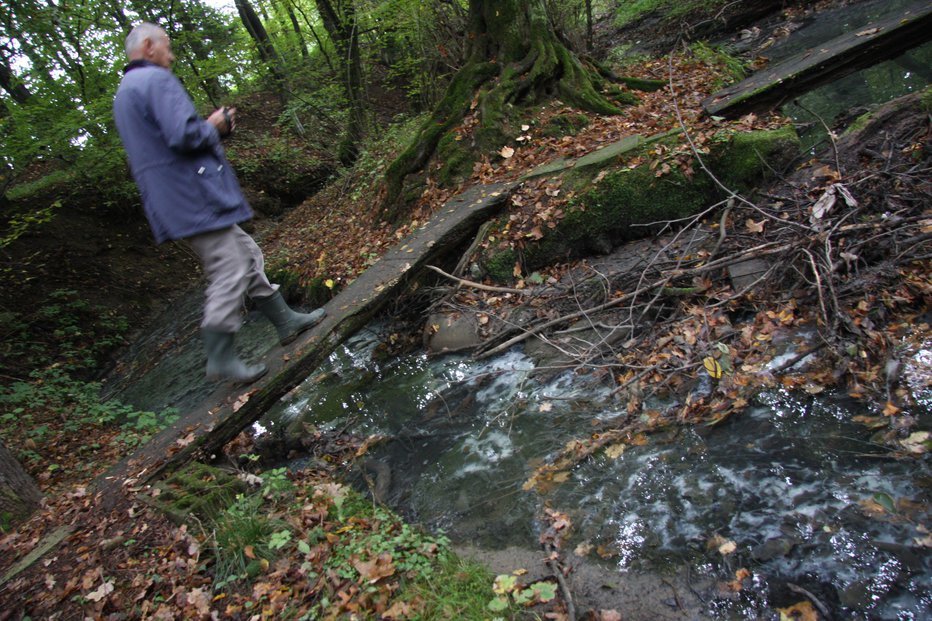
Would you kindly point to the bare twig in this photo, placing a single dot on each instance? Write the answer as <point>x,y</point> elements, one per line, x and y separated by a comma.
<point>476,285</point>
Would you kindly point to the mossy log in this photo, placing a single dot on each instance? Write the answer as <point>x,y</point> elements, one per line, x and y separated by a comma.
<point>515,58</point>
<point>627,201</point>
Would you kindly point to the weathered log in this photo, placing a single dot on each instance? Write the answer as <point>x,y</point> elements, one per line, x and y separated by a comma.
<point>204,431</point>
<point>876,42</point>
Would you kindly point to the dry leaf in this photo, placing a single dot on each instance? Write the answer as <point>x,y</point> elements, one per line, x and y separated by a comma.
<point>615,450</point>
<point>506,152</point>
<point>755,227</point>
<point>583,549</point>
<point>803,611</point>
<point>101,592</point>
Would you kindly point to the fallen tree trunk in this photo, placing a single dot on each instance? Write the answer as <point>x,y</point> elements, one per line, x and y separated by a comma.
<point>835,59</point>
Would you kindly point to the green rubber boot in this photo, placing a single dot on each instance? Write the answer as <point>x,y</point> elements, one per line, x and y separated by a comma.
<point>288,323</point>
<point>224,364</point>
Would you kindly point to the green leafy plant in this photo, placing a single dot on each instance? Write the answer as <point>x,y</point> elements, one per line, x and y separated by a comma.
<point>510,592</point>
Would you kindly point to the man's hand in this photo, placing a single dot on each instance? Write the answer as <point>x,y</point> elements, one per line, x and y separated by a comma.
<point>224,119</point>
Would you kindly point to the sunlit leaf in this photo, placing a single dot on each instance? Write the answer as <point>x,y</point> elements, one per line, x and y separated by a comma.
<point>504,583</point>
<point>803,611</point>
<point>712,367</point>
<point>329,283</point>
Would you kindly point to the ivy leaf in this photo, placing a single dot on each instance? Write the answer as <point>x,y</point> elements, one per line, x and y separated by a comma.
<point>504,583</point>
<point>498,604</point>
<point>544,591</point>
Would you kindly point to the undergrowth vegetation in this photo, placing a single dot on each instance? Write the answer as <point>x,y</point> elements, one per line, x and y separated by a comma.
<point>331,552</point>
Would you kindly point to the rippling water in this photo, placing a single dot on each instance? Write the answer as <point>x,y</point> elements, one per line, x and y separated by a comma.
<point>804,495</point>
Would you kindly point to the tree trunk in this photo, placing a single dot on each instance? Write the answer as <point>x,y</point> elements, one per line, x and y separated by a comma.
<point>297,31</point>
<point>343,29</point>
<point>8,81</point>
<point>19,494</point>
<point>514,42</point>
<point>267,51</point>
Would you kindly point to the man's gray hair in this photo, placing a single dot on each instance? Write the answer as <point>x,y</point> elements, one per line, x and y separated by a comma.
<point>140,33</point>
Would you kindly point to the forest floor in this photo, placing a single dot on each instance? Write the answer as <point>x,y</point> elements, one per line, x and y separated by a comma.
<point>867,296</point>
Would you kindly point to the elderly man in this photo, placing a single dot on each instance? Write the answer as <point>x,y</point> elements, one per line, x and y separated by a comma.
<point>189,191</point>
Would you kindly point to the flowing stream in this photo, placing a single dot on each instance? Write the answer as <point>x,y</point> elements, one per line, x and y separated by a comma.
<point>803,493</point>
<point>792,490</point>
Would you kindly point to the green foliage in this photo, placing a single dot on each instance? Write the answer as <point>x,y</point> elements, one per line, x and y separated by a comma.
<point>509,592</point>
<point>76,334</point>
<point>23,221</point>
<point>66,60</point>
<point>457,589</point>
<point>276,162</point>
<point>241,540</point>
<point>28,407</point>
<point>412,551</point>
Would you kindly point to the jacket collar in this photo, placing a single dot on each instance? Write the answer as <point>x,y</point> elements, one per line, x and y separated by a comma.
<point>136,64</point>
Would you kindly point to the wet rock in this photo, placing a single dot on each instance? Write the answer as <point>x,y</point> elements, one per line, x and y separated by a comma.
<point>771,549</point>
<point>448,332</point>
<point>857,595</point>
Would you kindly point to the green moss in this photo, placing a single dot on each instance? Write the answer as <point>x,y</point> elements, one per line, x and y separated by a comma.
<point>750,157</point>
<point>625,201</point>
<point>730,69</point>
<point>605,214</point>
<point>925,100</point>
<point>457,161</point>
<point>859,123</point>
<point>643,84</point>
<point>500,265</point>
<point>565,125</point>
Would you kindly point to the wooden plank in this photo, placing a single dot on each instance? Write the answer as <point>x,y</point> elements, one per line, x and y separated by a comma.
<point>206,429</point>
<point>771,87</point>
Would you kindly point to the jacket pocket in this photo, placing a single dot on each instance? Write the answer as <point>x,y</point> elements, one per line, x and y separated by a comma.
<point>218,186</point>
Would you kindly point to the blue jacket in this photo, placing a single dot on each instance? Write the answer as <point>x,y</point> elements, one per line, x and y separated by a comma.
<point>187,185</point>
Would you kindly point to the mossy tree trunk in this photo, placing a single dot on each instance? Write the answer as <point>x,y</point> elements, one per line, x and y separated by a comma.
<point>514,42</point>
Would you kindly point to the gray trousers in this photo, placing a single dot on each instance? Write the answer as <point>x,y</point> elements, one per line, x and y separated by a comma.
<point>234,266</point>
